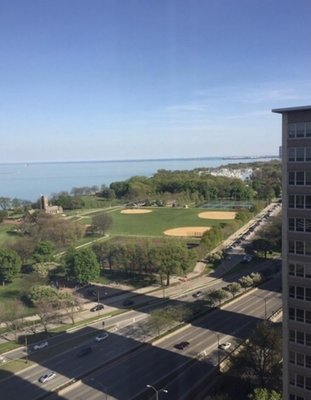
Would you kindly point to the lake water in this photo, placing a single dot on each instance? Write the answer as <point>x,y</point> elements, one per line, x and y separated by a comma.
<point>29,181</point>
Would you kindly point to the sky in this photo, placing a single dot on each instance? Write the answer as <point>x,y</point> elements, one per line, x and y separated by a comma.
<point>141,79</point>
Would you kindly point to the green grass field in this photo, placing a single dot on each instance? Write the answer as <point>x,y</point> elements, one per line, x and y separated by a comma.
<point>159,220</point>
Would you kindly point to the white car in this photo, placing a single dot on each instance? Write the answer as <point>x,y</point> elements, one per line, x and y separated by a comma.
<point>101,336</point>
<point>2,360</point>
<point>47,377</point>
<point>41,345</point>
<point>225,346</point>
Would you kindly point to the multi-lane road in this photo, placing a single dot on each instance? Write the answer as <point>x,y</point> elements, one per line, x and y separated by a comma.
<point>125,365</point>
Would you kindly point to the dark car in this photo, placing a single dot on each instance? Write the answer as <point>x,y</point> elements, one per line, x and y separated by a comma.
<point>91,292</point>
<point>84,351</point>
<point>181,345</point>
<point>197,294</point>
<point>97,307</point>
<point>128,302</point>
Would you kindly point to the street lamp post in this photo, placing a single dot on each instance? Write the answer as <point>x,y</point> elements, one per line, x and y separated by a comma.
<point>157,391</point>
<point>265,300</point>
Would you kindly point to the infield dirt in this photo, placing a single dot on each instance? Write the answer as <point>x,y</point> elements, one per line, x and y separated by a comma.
<point>190,231</point>
<point>217,215</point>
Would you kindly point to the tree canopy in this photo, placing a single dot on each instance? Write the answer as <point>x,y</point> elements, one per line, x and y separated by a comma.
<point>10,265</point>
<point>81,265</point>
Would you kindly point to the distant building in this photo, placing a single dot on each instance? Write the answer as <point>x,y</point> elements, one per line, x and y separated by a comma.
<point>296,251</point>
<point>44,206</point>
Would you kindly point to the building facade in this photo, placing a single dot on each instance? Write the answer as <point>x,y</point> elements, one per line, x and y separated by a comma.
<point>296,251</point>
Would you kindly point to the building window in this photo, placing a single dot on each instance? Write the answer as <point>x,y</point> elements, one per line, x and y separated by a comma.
<point>299,130</point>
<point>308,361</point>
<point>299,154</point>
<point>300,270</point>
<point>300,315</point>
<point>308,317</point>
<point>299,178</point>
<point>308,248</point>
<point>299,293</point>
<point>308,339</point>
<point>300,337</point>
<point>300,359</point>
<point>300,201</point>
<point>300,381</point>
<point>299,247</point>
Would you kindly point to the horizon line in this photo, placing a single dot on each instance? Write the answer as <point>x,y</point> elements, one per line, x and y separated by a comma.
<point>142,159</point>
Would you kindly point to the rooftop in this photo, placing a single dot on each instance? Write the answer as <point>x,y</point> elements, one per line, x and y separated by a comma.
<point>290,109</point>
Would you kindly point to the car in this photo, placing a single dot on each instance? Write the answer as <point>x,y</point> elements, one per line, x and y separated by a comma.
<point>97,307</point>
<point>247,258</point>
<point>225,346</point>
<point>181,345</point>
<point>84,351</point>
<point>2,360</point>
<point>128,302</point>
<point>91,292</point>
<point>101,336</point>
<point>41,345</point>
<point>197,294</point>
<point>47,377</point>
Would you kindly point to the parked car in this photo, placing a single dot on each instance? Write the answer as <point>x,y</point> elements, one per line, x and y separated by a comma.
<point>41,345</point>
<point>197,294</point>
<point>128,302</point>
<point>84,351</point>
<point>181,345</point>
<point>47,377</point>
<point>225,346</point>
<point>101,336</point>
<point>97,307</point>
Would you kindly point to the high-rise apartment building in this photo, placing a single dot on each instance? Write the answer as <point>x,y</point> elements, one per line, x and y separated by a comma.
<point>296,251</point>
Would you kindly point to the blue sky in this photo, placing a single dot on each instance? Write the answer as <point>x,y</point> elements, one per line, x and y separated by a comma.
<point>127,79</point>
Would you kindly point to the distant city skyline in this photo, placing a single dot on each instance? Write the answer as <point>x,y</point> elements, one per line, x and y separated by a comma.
<point>153,79</point>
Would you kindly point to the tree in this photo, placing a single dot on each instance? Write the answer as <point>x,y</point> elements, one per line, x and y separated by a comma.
<point>233,288</point>
<point>45,299</point>
<point>3,215</point>
<point>171,257</point>
<point>81,265</point>
<point>259,359</point>
<point>43,252</point>
<point>101,223</point>
<point>217,296</point>
<point>262,245</point>
<point>246,281</point>
<point>264,394</point>
<point>11,314</point>
<point>166,318</point>
<point>5,203</point>
<point>70,304</point>
<point>10,265</point>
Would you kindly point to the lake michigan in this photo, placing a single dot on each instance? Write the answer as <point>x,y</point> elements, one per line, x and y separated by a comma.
<point>28,181</point>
